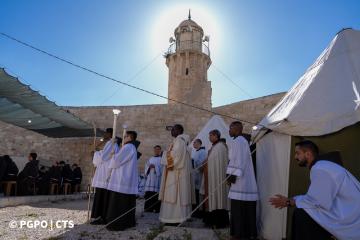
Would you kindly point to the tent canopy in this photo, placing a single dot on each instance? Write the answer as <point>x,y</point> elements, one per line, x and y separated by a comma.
<point>216,122</point>
<point>326,98</point>
<point>322,106</point>
<point>23,107</point>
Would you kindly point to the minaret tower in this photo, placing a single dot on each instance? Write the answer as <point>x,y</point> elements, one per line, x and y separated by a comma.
<point>188,60</point>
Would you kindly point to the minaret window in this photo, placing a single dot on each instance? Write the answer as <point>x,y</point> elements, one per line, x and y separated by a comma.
<point>187,71</point>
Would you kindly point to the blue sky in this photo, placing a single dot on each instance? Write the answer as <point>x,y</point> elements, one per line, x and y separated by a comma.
<point>262,46</point>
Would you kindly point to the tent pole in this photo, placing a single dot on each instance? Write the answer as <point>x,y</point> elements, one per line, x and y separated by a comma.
<point>92,176</point>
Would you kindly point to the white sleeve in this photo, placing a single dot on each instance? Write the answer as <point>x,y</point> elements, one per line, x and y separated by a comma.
<point>109,150</point>
<point>195,159</point>
<point>203,156</point>
<point>146,168</point>
<point>322,191</point>
<point>123,156</point>
<point>200,158</point>
<point>158,169</point>
<point>239,159</point>
<point>97,158</point>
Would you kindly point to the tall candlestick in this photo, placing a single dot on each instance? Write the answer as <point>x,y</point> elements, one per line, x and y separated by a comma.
<point>116,114</point>
<point>123,136</point>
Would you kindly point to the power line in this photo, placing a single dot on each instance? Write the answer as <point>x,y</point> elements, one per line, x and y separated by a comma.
<point>233,82</point>
<point>132,78</point>
<point>118,81</point>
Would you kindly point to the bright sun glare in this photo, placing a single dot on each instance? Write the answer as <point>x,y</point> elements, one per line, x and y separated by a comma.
<point>170,17</point>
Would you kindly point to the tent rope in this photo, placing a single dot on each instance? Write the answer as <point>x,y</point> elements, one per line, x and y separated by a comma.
<point>134,208</point>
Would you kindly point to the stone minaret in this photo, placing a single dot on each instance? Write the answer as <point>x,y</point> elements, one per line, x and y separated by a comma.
<point>188,60</point>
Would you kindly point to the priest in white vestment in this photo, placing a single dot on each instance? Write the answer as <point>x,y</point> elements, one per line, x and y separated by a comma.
<point>153,172</point>
<point>101,161</point>
<point>214,185</point>
<point>123,186</point>
<point>331,206</point>
<point>176,184</point>
<point>243,192</point>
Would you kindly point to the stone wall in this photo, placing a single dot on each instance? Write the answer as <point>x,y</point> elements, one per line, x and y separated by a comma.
<point>18,143</point>
<point>148,120</point>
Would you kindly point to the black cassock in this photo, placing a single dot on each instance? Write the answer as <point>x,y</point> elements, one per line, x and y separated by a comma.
<point>304,227</point>
<point>100,204</point>
<point>8,169</point>
<point>27,178</point>
<point>43,183</point>
<point>218,218</point>
<point>152,202</point>
<point>243,219</point>
<point>120,204</point>
<point>77,175</point>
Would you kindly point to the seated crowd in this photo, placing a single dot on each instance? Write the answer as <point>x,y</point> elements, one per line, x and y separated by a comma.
<point>35,179</point>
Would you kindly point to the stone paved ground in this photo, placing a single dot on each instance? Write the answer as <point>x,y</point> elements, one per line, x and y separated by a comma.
<point>147,228</point>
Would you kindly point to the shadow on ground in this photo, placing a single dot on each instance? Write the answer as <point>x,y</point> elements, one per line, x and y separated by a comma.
<point>148,228</point>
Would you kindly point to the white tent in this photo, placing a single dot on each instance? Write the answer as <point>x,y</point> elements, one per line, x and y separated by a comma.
<point>216,122</point>
<point>20,161</point>
<point>324,100</point>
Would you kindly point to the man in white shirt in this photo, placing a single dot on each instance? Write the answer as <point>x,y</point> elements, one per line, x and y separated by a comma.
<point>331,205</point>
<point>153,172</point>
<point>243,191</point>
<point>123,186</point>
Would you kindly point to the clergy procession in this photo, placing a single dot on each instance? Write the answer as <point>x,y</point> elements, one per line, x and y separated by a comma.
<point>253,138</point>
<point>219,187</point>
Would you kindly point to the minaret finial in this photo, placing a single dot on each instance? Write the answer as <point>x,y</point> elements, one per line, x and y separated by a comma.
<point>189,17</point>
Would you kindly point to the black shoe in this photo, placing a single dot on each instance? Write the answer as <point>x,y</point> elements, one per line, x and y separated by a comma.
<point>171,224</point>
<point>114,229</point>
<point>98,221</point>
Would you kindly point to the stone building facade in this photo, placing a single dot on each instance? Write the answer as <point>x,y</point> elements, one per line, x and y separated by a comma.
<point>188,60</point>
<point>149,121</point>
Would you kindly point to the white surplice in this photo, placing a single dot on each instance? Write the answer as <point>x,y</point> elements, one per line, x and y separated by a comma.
<point>153,175</point>
<point>101,160</point>
<point>124,171</point>
<point>176,184</point>
<point>240,165</point>
<point>198,157</point>
<point>333,200</point>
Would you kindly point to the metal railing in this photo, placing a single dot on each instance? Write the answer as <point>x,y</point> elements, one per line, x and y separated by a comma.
<point>187,45</point>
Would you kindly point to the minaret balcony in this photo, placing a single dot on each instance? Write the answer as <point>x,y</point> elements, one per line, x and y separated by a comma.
<point>187,46</point>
